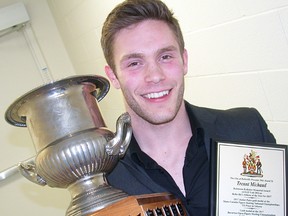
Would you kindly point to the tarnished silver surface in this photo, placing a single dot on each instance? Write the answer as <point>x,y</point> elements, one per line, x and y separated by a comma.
<point>74,148</point>
<point>59,109</point>
<point>88,197</point>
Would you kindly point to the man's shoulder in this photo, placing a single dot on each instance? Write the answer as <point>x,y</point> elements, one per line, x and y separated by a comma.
<point>240,123</point>
<point>237,113</point>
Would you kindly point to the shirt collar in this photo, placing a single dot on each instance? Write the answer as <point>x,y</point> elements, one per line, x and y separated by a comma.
<point>139,156</point>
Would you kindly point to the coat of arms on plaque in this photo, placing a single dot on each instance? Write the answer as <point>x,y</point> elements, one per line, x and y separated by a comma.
<point>252,165</point>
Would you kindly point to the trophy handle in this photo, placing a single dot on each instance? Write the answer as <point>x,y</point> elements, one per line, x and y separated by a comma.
<point>119,144</point>
<point>28,170</point>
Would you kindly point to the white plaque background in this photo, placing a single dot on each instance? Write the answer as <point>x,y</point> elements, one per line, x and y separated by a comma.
<point>234,197</point>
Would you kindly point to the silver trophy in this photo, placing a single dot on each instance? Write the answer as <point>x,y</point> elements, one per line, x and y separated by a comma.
<point>74,149</point>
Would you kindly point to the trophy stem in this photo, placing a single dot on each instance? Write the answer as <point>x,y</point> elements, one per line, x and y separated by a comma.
<point>92,194</point>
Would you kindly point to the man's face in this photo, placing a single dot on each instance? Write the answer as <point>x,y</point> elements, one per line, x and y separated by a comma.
<point>149,70</point>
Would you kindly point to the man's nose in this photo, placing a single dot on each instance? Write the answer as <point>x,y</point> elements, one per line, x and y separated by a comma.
<point>154,73</point>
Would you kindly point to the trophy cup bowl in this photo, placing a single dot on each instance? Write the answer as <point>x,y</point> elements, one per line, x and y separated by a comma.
<point>74,149</point>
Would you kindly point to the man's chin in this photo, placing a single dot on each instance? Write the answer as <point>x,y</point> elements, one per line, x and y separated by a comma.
<point>158,119</point>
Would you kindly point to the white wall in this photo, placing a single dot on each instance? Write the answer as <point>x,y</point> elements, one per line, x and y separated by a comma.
<point>238,57</point>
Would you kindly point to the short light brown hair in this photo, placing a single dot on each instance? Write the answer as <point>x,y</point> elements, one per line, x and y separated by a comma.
<point>131,12</point>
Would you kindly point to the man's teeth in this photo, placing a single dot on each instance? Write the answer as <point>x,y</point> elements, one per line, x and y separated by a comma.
<point>156,95</point>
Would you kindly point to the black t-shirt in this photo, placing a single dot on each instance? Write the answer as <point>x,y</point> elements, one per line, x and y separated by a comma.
<point>195,172</point>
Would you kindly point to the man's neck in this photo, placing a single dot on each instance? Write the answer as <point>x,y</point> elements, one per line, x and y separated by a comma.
<point>159,137</point>
<point>166,143</point>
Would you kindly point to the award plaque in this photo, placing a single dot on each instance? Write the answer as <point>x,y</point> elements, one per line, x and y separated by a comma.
<point>248,179</point>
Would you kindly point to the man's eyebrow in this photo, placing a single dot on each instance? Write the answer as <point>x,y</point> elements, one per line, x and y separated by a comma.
<point>167,49</point>
<point>141,55</point>
<point>131,55</point>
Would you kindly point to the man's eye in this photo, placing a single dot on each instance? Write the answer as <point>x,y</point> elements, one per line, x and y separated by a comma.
<point>165,57</point>
<point>133,64</point>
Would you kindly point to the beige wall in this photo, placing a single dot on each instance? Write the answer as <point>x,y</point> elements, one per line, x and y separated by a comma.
<point>238,53</point>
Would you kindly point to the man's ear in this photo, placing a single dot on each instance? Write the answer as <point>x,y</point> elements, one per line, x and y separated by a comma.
<point>112,77</point>
<point>185,61</point>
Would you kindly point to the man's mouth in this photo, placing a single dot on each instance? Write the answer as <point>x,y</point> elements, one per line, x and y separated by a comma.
<point>155,95</point>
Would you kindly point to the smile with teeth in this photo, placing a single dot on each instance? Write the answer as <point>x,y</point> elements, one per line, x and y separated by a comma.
<point>155,95</point>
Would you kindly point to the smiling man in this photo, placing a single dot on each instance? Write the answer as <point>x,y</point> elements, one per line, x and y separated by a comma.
<point>169,151</point>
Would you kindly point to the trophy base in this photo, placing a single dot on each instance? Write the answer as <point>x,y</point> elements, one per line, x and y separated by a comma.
<point>88,196</point>
<point>145,205</point>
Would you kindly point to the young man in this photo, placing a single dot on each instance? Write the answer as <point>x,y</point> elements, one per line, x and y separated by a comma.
<point>170,148</point>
